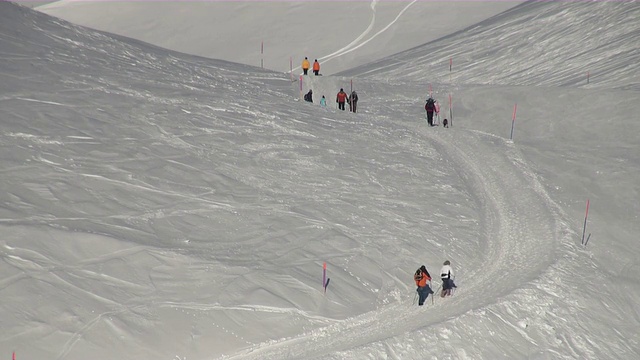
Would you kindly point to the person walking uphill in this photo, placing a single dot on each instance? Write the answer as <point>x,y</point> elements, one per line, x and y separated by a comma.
<point>341,99</point>
<point>353,101</point>
<point>430,106</point>
<point>305,65</point>
<point>316,67</point>
<point>309,96</point>
<point>446,274</point>
<point>422,279</point>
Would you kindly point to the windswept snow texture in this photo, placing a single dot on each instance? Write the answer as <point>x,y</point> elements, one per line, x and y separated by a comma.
<point>279,34</point>
<point>157,205</point>
<point>570,42</point>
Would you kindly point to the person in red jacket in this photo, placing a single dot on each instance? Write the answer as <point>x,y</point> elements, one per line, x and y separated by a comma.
<point>341,99</point>
<point>422,279</point>
<point>316,67</point>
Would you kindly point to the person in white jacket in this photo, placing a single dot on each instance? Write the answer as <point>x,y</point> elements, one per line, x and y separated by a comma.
<point>446,274</point>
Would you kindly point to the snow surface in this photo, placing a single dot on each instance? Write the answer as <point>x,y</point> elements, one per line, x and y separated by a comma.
<point>157,205</point>
<point>279,34</point>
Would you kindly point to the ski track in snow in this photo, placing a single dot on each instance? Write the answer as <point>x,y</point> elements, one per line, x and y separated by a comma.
<point>356,43</point>
<point>514,250</point>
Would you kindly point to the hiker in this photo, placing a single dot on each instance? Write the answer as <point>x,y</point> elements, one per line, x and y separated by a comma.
<point>309,96</point>
<point>341,98</point>
<point>305,65</point>
<point>422,279</point>
<point>430,107</point>
<point>316,67</point>
<point>353,101</point>
<point>446,274</point>
<point>323,102</point>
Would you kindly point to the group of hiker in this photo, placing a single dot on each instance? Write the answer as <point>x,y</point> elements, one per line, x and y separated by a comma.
<point>306,64</point>
<point>431,107</point>
<point>423,282</point>
<point>341,99</point>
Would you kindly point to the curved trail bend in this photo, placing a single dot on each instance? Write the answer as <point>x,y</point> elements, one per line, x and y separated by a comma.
<point>519,237</point>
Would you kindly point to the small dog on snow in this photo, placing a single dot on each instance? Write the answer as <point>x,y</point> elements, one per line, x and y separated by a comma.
<point>445,123</point>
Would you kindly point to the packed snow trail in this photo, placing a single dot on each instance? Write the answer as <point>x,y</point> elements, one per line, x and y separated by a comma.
<point>519,236</point>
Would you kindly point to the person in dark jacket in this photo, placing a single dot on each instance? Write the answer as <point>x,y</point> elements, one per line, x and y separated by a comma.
<point>309,96</point>
<point>430,107</point>
<point>353,101</point>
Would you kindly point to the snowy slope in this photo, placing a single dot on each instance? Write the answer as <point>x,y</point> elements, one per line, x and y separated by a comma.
<point>340,34</point>
<point>159,205</point>
<point>542,43</point>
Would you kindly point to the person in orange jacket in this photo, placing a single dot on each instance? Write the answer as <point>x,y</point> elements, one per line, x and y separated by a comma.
<point>316,67</point>
<point>422,279</point>
<point>341,98</point>
<point>305,65</point>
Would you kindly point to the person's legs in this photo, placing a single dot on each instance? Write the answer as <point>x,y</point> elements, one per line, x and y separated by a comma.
<point>446,287</point>
<point>422,295</point>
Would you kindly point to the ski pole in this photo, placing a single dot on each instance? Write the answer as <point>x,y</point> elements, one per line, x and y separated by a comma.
<point>438,290</point>
<point>433,301</point>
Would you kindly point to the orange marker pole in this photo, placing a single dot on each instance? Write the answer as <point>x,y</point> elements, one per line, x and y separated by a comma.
<point>324,275</point>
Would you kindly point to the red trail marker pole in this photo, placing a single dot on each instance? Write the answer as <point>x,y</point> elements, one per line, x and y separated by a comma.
<point>450,111</point>
<point>584,229</point>
<point>513,119</point>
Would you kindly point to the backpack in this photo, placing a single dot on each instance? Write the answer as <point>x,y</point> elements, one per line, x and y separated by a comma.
<point>418,275</point>
<point>431,104</point>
